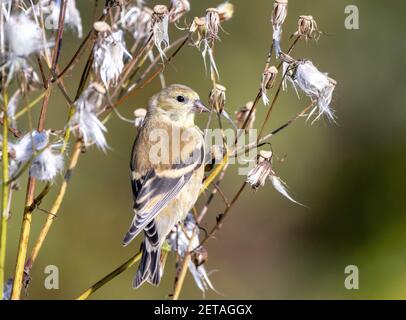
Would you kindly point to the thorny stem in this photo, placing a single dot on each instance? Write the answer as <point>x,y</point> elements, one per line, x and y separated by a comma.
<point>126,265</point>
<point>4,196</point>
<point>27,216</point>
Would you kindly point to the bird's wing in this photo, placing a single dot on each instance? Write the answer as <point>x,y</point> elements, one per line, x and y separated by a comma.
<point>156,188</point>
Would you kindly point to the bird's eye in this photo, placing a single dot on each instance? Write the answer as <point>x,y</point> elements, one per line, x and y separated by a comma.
<point>180,98</point>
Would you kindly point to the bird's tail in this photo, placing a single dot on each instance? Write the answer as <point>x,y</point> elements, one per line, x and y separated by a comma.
<point>149,269</point>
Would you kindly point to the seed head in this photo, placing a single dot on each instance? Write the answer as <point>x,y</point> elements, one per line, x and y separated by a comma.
<point>212,24</point>
<point>85,122</point>
<point>317,85</point>
<point>226,11</point>
<point>267,82</point>
<point>109,53</point>
<point>242,115</point>
<point>279,13</point>
<point>46,159</point>
<point>138,21</point>
<point>23,36</point>
<point>160,23</point>
<point>178,9</point>
<point>217,98</point>
<point>261,172</point>
<point>200,256</point>
<point>258,176</point>
<point>307,28</point>
<point>139,115</point>
<point>72,20</point>
<point>179,239</point>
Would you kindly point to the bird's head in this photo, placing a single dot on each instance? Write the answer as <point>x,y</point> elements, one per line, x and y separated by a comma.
<point>177,104</point>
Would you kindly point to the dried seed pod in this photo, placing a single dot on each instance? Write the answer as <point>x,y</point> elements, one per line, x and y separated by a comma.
<point>178,9</point>
<point>200,256</point>
<point>139,115</point>
<point>317,85</point>
<point>212,23</point>
<point>269,77</point>
<point>101,26</point>
<point>160,28</point>
<point>307,28</point>
<point>217,98</point>
<point>226,11</point>
<point>242,115</point>
<point>262,170</point>
<point>267,82</point>
<point>279,13</point>
<point>198,25</point>
<point>109,53</point>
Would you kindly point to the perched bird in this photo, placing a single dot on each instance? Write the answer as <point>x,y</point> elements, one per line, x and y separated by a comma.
<point>167,165</point>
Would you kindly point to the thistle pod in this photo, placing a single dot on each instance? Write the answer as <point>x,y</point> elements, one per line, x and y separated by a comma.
<point>198,25</point>
<point>200,256</point>
<point>212,23</point>
<point>261,172</point>
<point>315,84</point>
<point>226,11</point>
<point>85,122</point>
<point>101,26</point>
<point>217,98</point>
<point>178,9</point>
<point>160,23</point>
<point>267,82</point>
<point>307,28</point>
<point>269,77</point>
<point>108,53</point>
<point>279,13</point>
<point>242,116</point>
<point>139,115</point>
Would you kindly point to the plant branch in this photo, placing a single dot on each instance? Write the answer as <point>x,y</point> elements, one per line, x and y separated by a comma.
<point>27,216</point>
<point>54,209</point>
<point>126,265</point>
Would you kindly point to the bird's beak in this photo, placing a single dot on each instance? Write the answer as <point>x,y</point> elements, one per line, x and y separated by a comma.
<point>198,106</point>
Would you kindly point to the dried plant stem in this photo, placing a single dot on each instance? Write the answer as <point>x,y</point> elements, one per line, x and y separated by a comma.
<point>185,263</point>
<point>152,77</point>
<point>126,265</point>
<point>32,104</point>
<point>263,140</point>
<point>23,244</point>
<point>55,207</point>
<point>27,216</point>
<point>270,109</point>
<point>4,196</point>
<point>221,218</point>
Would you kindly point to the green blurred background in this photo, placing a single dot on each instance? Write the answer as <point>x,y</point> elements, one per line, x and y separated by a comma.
<point>351,175</point>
